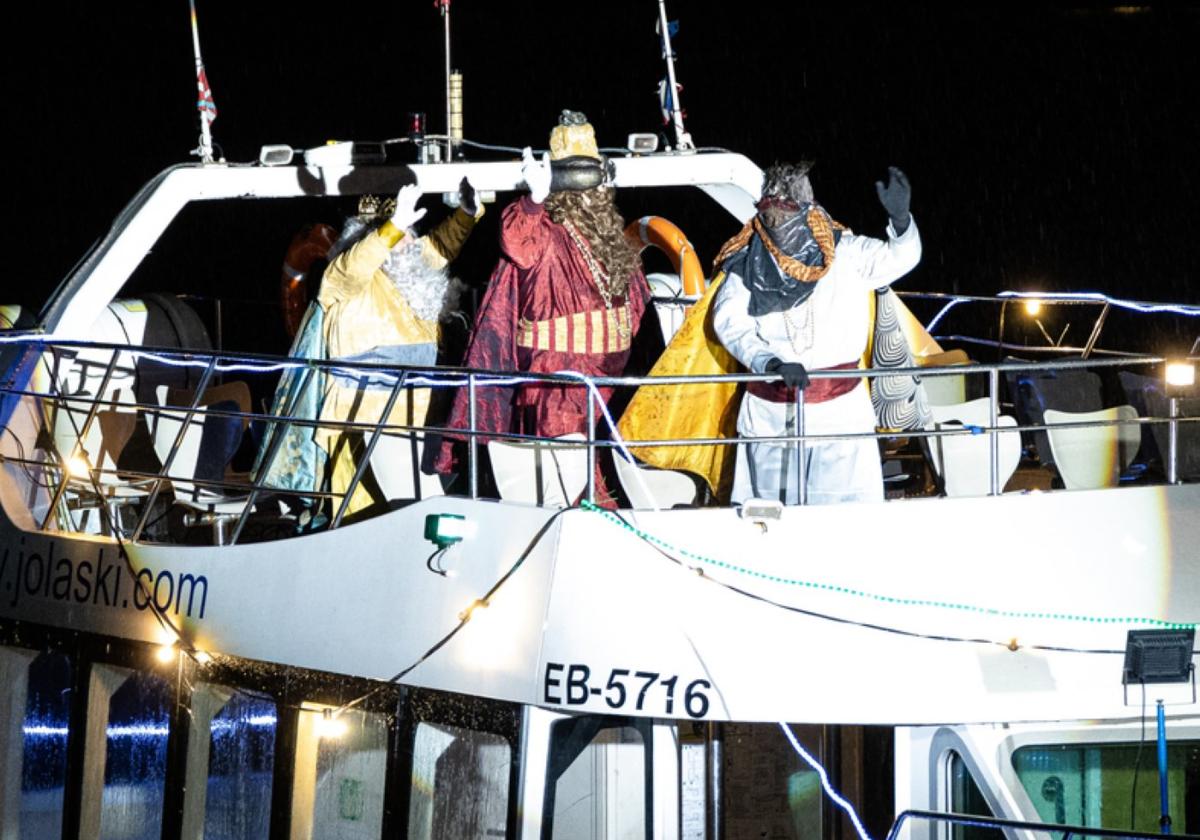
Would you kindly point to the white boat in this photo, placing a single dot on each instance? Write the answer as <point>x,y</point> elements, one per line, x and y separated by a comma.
<point>185,662</point>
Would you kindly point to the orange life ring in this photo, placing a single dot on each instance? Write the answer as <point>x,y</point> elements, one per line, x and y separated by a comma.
<point>311,243</point>
<point>668,238</point>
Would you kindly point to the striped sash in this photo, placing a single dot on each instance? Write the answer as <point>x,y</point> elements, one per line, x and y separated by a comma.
<point>598,331</point>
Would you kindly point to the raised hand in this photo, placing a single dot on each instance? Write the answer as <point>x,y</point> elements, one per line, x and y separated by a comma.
<point>407,213</point>
<point>536,174</point>
<point>466,197</point>
<point>895,198</point>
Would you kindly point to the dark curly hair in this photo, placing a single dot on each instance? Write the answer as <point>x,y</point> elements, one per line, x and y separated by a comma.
<point>594,214</point>
<point>785,188</point>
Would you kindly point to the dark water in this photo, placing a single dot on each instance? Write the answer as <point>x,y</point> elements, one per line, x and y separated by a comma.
<point>1050,147</point>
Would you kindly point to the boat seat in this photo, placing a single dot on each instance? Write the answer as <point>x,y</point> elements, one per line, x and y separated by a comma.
<point>1147,394</point>
<point>963,462</point>
<point>101,448</point>
<point>1033,392</point>
<point>947,389</point>
<point>1088,458</point>
<point>204,453</point>
<point>396,465</point>
<point>549,473</point>
<point>649,487</point>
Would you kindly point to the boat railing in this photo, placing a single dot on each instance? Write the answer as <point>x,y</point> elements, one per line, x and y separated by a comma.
<point>83,395</point>
<point>1027,828</point>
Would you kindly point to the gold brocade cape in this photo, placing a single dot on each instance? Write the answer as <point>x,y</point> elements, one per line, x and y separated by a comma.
<point>700,410</point>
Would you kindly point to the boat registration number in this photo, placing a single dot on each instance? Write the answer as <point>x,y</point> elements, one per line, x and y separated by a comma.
<point>568,684</point>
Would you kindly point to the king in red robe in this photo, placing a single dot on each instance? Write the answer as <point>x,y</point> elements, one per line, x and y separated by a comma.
<point>567,295</point>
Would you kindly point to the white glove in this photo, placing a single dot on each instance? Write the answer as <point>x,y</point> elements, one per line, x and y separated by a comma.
<point>407,213</point>
<point>536,174</point>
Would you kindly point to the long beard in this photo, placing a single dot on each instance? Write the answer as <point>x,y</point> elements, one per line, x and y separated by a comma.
<point>431,292</point>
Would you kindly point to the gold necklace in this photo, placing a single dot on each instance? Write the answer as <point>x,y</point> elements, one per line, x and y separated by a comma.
<point>599,275</point>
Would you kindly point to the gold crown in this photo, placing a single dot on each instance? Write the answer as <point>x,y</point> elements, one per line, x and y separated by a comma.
<point>376,207</point>
<point>573,137</point>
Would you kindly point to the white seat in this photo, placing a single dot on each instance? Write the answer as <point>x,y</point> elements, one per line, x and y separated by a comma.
<point>946,389</point>
<point>1093,457</point>
<point>546,473</point>
<point>219,507</point>
<point>648,487</point>
<point>964,461</point>
<point>396,464</point>
<point>99,449</point>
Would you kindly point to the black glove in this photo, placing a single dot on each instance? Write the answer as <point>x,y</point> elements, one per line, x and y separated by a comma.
<point>466,197</point>
<point>793,373</point>
<point>895,198</point>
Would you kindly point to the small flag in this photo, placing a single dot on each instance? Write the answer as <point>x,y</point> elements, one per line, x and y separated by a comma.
<point>666,100</point>
<point>672,31</point>
<point>208,107</point>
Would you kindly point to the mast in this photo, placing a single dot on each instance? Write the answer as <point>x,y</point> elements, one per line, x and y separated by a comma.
<point>683,140</point>
<point>204,99</point>
<point>444,8</point>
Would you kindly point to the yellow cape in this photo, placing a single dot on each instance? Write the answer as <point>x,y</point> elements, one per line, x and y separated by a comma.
<point>703,410</point>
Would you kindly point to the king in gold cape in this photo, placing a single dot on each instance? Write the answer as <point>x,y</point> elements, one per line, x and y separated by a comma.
<point>709,409</point>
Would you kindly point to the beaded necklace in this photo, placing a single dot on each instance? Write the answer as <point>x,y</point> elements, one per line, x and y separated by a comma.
<point>602,279</point>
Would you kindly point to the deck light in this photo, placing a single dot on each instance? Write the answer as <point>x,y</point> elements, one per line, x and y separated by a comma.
<point>761,511</point>
<point>165,653</point>
<point>1032,307</point>
<point>446,529</point>
<point>1180,374</point>
<point>78,466</point>
<point>1158,656</point>
<point>202,657</point>
<point>275,155</point>
<point>329,726</point>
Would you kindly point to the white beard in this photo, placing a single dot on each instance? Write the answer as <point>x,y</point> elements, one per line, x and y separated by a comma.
<point>431,292</point>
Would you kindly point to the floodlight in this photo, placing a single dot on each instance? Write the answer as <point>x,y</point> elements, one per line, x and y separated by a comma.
<point>1158,656</point>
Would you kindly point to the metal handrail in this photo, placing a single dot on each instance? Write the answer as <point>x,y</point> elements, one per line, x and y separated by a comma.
<point>1064,831</point>
<point>425,376</point>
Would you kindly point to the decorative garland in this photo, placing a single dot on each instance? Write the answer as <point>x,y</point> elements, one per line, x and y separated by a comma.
<point>872,596</point>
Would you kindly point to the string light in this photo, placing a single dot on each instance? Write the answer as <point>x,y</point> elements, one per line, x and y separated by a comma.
<point>873,596</point>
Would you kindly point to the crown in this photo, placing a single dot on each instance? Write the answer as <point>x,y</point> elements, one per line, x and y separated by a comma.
<point>573,137</point>
<point>376,207</point>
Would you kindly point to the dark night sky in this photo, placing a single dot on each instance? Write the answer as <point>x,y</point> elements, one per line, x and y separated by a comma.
<point>1051,146</point>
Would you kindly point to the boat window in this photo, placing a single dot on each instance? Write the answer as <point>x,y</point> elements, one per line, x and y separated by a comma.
<point>1108,784</point>
<point>459,783</point>
<point>967,798</point>
<point>44,746</point>
<point>766,788</point>
<point>598,780</point>
<point>341,764</point>
<point>213,278</point>
<point>241,756</point>
<point>135,765</point>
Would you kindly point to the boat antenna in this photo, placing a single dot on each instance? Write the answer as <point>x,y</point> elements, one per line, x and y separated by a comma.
<point>454,116</point>
<point>668,89</point>
<point>204,100</point>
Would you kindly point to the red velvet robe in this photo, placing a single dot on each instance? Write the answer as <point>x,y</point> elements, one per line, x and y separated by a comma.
<point>542,277</point>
